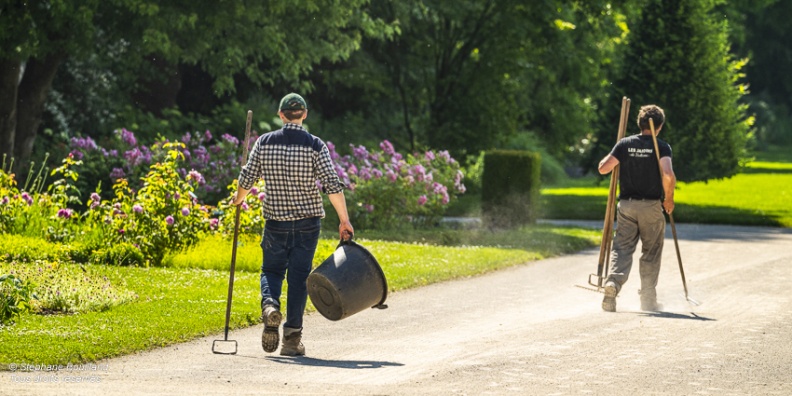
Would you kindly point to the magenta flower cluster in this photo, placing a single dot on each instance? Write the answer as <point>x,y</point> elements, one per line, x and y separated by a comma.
<point>209,162</point>
<point>386,187</point>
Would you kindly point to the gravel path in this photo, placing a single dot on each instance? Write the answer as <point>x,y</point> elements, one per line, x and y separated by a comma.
<point>524,330</point>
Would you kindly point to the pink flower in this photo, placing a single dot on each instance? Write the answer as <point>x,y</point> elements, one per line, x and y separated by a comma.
<point>137,208</point>
<point>422,200</point>
<point>369,207</point>
<point>429,156</point>
<point>185,212</point>
<point>262,196</point>
<point>169,220</point>
<point>387,147</point>
<point>95,197</point>
<point>213,223</point>
<point>65,213</point>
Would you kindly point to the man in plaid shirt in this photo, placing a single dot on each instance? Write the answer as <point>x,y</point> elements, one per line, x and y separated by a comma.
<point>290,160</point>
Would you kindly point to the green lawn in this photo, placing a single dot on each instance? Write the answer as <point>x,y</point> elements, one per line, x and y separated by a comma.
<point>187,299</point>
<point>760,195</point>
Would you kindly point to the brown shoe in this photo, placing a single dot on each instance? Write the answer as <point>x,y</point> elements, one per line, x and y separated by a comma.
<point>292,342</point>
<point>271,317</point>
<point>609,302</point>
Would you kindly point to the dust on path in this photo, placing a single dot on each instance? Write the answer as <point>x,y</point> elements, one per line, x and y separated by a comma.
<point>523,330</point>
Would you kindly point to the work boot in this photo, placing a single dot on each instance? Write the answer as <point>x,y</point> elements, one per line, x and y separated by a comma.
<point>649,301</point>
<point>292,342</point>
<point>609,302</point>
<point>271,317</point>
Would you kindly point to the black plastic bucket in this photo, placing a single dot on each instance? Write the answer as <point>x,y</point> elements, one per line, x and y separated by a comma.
<point>347,282</point>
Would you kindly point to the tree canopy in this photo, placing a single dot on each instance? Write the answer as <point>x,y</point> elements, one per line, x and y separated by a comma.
<point>464,76</point>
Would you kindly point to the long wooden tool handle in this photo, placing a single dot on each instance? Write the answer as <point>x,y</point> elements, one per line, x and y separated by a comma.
<point>607,228</point>
<point>246,149</point>
<point>670,216</point>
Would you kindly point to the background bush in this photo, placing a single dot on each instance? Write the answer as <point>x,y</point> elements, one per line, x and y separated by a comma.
<point>510,188</point>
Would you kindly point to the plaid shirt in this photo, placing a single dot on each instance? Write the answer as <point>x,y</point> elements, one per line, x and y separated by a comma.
<point>291,160</point>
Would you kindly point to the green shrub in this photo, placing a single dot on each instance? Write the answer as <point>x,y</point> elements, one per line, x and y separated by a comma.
<point>118,254</point>
<point>510,188</point>
<point>163,216</point>
<point>25,249</point>
<point>15,296</point>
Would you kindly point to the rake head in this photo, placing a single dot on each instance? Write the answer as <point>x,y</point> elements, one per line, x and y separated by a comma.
<point>223,347</point>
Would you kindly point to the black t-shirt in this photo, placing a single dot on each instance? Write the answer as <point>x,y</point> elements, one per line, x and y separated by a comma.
<point>639,177</point>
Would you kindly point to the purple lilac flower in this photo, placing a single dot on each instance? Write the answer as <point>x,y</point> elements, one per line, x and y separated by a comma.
<point>95,197</point>
<point>331,148</point>
<point>207,136</point>
<point>397,157</point>
<point>84,144</point>
<point>76,154</point>
<point>422,200</point>
<point>262,196</point>
<point>245,206</point>
<point>429,156</point>
<point>185,211</point>
<point>230,139</point>
<point>365,174</point>
<point>392,176</point>
<point>213,222</point>
<point>352,170</point>
<point>27,198</point>
<point>137,208</point>
<point>117,173</point>
<point>127,137</point>
<point>4,201</point>
<point>254,191</point>
<point>177,196</point>
<point>359,152</point>
<point>186,138</point>
<point>447,157</point>
<point>169,220</point>
<point>65,213</point>
<point>369,207</point>
<point>197,176</point>
<point>387,147</point>
<point>376,173</point>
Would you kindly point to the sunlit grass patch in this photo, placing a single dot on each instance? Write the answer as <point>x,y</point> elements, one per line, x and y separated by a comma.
<point>68,288</point>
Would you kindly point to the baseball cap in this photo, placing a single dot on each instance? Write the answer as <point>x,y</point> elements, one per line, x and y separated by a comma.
<point>293,101</point>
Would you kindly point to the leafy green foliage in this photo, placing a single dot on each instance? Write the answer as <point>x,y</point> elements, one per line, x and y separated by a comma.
<point>21,248</point>
<point>467,76</point>
<point>15,297</point>
<point>162,216</point>
<point>678,58</point>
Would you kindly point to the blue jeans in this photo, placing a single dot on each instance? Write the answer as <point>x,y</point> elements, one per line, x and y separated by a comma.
<point>289,248</point>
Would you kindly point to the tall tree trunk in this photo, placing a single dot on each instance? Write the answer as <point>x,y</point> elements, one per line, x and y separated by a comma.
<point>9,84</point>
<point>33,91</point>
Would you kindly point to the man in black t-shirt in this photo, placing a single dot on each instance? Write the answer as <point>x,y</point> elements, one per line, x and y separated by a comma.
<point>642,198</point>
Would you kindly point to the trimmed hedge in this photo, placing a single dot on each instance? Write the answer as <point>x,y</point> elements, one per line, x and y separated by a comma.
<point>510,188</point>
